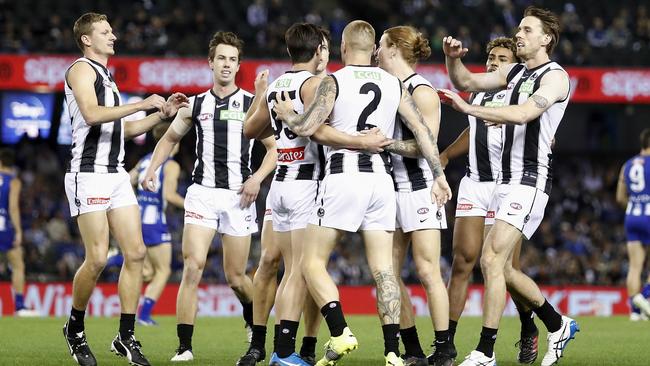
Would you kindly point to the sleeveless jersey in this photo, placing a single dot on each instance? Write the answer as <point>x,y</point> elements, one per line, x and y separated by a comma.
<point>637,181</point>
<point>485,143</point>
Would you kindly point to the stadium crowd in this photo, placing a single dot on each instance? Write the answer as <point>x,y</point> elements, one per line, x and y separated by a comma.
<point>581,240</point>
<point>167,28</point>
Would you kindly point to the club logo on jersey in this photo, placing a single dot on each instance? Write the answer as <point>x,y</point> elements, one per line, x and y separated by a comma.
<point>423,211</point>
<point>374,75</point>
<point>229,115</point>
<point>515,205</point>
<point>193,215</point>
<point>533,76</point>
<point>526,87</point>
<point>320,212</point>
<point>236,104</point>
<point>205,117</point>
<point>291,154</point>
<point>464,206</point>
<point>500,96</point>
<point>97,200</point>
<point>511,85</point>
<point>283,83</point>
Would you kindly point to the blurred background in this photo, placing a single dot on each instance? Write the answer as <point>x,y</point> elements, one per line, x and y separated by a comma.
<point>162,47</point>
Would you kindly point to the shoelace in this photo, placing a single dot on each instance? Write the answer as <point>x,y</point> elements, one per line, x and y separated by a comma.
<point>525,343</point>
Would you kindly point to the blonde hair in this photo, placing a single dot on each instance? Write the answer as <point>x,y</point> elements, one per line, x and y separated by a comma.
<point>84,26</point>
<point>359,36</point>
<point>413,45</point>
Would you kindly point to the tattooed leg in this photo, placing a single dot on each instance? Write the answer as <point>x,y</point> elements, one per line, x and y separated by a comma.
<point>379,249</point>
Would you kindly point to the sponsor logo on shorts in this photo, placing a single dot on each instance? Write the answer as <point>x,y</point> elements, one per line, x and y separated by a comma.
<point>193,215</point>
<point>516,206</point>
<point>268,212</point>
<point>205,117</point>
<point>97,200</point>
<point>423,211</point>
<point>490,215</point>
<point>320,212</point>
<point>464,206</point>
<point>291,154</point>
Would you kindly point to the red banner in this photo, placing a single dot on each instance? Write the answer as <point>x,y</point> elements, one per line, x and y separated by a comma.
<point>55,299</point>
<point>192,76</point>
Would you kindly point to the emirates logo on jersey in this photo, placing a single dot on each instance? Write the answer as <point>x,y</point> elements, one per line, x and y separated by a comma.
<point>291,154</point>
<point>193,215</point>
<point>97,200</point>
<point>464,206</point>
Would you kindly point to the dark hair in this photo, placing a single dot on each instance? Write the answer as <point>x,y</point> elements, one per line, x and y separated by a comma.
<point>227,38</point>
<point>326,35</point>
<point>160,130</point>
<point>302,40</point>
<point>550,24</point>
<point>84,26</point>
<point>645,138</point>
<point>502,42</point>
<point>7,157</point>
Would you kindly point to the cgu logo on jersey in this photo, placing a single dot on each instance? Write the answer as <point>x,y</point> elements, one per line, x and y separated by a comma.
<point>494,103</point>
<point>291,154</point>
<point>228,115</point>
<point>374,75</point>
<point>283,83</point>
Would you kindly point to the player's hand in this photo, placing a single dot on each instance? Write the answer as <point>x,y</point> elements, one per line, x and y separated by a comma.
<point>454,100</point>
<point>283,106</point>
<point>149,181</point>
<point>175,102</point>
<point>453,48</point>
<point>18,238</point>
<point>440,192</point>
<point>261,82</point>
<point>249,191</point>
<point>444,159</point>
<point>153,101</point>
<point>373,140</point>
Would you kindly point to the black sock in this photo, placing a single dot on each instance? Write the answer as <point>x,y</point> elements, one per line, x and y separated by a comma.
<point>411,342</point>
<point>76,321</point>
<point>287,338</point>
<point>442,336</point>
<point>308,346</point>
<point>452,329</point>
<point>391,338</point>
<point>248,313</point>
<point>333,314</point>
<point>184,332</point>
<point>127,325</point>
<point>528,326</point>
<point>551,318</point>
<point>276,331</point>
<point>259,336</point>
<point>486,343</point>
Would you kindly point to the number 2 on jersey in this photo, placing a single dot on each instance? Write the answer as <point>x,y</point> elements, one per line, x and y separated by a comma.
<point>371,107</point>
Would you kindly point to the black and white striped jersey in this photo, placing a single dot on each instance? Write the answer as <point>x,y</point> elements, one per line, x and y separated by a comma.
<point>222,151</point>
<point>299,158</point>
<point>99,148</point>
<point>485,143</point>
<point>366,97</point>
<point>410,174</point>
<point>526,157</point>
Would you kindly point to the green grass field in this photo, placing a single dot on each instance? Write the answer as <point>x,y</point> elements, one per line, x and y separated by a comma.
<point>220,341</point>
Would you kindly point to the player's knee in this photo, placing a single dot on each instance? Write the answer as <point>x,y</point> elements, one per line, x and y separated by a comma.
<point>269,264</point>
<point>163,272</point>
<point>135,254</point>
<point>235,278</point>
<point>95,264</point>
<point>489,266</point>
<point>429,275</point>
<point>193,269</point>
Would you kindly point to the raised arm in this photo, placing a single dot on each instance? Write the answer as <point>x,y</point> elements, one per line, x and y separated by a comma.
<point>14,211</point>
<point>307,123</point>
<point>554,87</point>
<point>621,189</point>
<point>465,80</point>
<point>179,127</point>
<point>172,170</point>
<point>257,117</point>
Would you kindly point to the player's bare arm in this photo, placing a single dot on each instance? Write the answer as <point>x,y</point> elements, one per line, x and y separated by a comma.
<point>459,147</point>
<point>171,172</point>
<point>168,110</point>
<point>372,141</point>
<point>133,176</point>
<point>554,87</point>
<point>407,148</point>
<point>14,211</point>
<point>621,189</point>
<point>465,80</point>
<point>251,188</point>
<point>257,117</point>
<point>181,124</point>
<point>307,123</point>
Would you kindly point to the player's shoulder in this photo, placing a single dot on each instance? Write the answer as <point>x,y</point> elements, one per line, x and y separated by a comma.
<point>245,93</point>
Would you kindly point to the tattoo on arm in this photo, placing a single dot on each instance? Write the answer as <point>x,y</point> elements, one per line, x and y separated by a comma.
<point>408,148</point>
<point>388,296</point>
<point>540,102</point>
<point>319,109</point>
<point>427,141</point>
